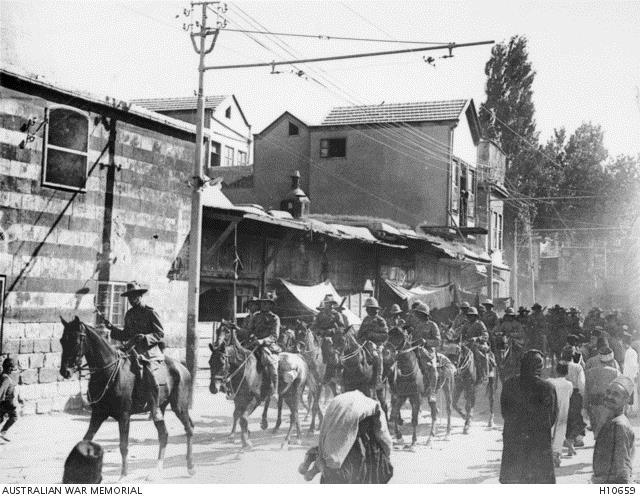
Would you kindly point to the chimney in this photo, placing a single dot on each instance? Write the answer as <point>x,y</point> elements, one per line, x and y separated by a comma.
<point>296,202</point>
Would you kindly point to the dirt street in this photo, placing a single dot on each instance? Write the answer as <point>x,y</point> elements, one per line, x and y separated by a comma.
<point>40,444</point>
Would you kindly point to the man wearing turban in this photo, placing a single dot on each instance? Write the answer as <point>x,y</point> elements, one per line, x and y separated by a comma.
<point>614,450</point>
<point>529,408</point>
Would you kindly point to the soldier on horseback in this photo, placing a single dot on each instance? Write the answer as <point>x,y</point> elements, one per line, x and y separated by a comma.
<point>373,334</point>
<point>510,328</point>
<point>326,323</point>
<point>490,317</point>
<point>263,334</point>
<point>537,329</point>
<point>427,332</point>
<point>474,335</point>
<point>460,320</point>
<point>394,320</point>
<point>144,332</point>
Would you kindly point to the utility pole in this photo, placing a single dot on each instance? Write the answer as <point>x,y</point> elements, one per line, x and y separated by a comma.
<point>514,279</point>
<point>195,234</point>
<point>532,266</point>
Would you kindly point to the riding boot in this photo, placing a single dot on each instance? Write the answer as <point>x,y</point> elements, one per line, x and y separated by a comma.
<point>153,390</point>
<point>378,366</point>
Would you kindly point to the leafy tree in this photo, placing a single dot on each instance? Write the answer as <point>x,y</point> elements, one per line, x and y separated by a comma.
<point>507,116</point>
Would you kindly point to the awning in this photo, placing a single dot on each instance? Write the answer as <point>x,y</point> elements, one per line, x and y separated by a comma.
<point>310,296</point>
<point>437,296</point>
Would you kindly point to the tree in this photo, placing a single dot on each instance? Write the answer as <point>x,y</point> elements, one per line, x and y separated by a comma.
<point>507,116</point>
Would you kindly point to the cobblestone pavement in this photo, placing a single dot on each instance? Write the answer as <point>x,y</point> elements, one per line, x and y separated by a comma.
<point>40,444</point>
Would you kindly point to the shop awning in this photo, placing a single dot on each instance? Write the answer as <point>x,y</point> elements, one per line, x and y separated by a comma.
<point>438,296</point>
<point>310,296</point>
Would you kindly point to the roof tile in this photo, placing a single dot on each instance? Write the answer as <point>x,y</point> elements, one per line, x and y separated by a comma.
<point>443,110</point>
<point>179,103</point>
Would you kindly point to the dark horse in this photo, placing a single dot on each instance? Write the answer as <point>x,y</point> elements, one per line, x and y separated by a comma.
<point>112,387</point>
<point>405,378</point>
<point>242,375</point>
<point>357,368</point>
<point>508,355</point>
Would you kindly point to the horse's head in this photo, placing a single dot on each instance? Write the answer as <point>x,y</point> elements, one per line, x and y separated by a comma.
<point>218,364</point>
<point>73,346</point>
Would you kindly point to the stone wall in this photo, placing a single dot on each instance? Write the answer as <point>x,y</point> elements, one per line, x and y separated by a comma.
<point>130,223</point>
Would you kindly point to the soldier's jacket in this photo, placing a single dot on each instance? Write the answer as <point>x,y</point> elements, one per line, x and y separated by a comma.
<point>411,320</point>
<point>394,322</point>
<point>7,391</point>
<point>266,325</point>
<point>327,321</point>
<point>142,320</point>
<point>427,330</point>
<point>490,320</point>
<point>537,323</point>
<point>374,329</point>
<point>473,329</point>
<point>459,321</point>
<point>510,328</point>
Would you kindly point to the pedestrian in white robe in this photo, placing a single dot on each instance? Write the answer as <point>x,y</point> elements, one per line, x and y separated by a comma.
<point>564,390</point>
<point>630,369</point>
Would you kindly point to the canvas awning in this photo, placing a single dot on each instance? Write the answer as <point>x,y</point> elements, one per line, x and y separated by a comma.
<point>310,296</point>
<point>437,296</point>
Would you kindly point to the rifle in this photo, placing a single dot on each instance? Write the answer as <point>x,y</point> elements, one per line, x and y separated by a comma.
<point>341,306</point>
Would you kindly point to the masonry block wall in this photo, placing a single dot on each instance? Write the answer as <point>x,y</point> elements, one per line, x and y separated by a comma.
<point>131,223</point>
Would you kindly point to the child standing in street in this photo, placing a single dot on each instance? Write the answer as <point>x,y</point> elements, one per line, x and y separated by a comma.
<point>7,397</point>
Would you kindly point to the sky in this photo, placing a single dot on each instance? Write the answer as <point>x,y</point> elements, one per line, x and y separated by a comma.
<point>584,53</point>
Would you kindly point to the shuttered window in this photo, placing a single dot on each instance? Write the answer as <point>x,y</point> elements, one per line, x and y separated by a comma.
<point>110,303</point>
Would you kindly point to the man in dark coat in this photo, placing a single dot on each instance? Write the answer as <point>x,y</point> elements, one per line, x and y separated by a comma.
<point>263,335</point>
<point>373,333</point>
<point>529,408</point>
<point>143,330</point>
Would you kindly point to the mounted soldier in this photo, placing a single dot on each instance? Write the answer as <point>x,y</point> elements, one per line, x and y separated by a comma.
<point>253,308</point>
<point>427,332</point>
<point>373,334</point>
<point>143,333</point>
<point>460,320</point>
<point>263,335</point>
<point>394,320</point>
<point>489,317</point>
<point>474,335</point>
<point>325,325</point>
<point>537,329</point>
<point>510,328</point>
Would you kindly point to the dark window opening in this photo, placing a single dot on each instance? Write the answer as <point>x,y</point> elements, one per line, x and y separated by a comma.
<point>293,130</point>
<point>214,154</point>
<point>333,147</point>
<point>227,113</point>
<point>65,157</point>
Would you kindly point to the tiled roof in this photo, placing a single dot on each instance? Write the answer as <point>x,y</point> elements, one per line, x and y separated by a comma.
<point>179,103</point>
<point>443,110</point>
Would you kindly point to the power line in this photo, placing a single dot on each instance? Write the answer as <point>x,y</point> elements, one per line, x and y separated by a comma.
<point>450,46</point>
<point>330,37</point>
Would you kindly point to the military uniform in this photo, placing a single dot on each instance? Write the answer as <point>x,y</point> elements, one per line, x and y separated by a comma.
<point>143,320</point>
<point>327,322</point>
<point>490,320</point>
<point>512,329</point>
<point>536,330</point>
<point>458,322</point>
<point>428,331</point>
<point>396,322</point>
<point>373,330</point>
<point>481,352</point>
<point>473,329</point>
<point>265,327</point>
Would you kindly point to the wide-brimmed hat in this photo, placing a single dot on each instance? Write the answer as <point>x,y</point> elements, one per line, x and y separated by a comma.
<point>134,288</point>
<point>522,309</point>
<point>509,312</point>
<point>536,306</point>
<point>395,309</point>
<point>423,308</point>
<point>472,311</point>
<point>327,301</point>
<point>464,304</point>
<point>487,302</point>
<point>371,302</point>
